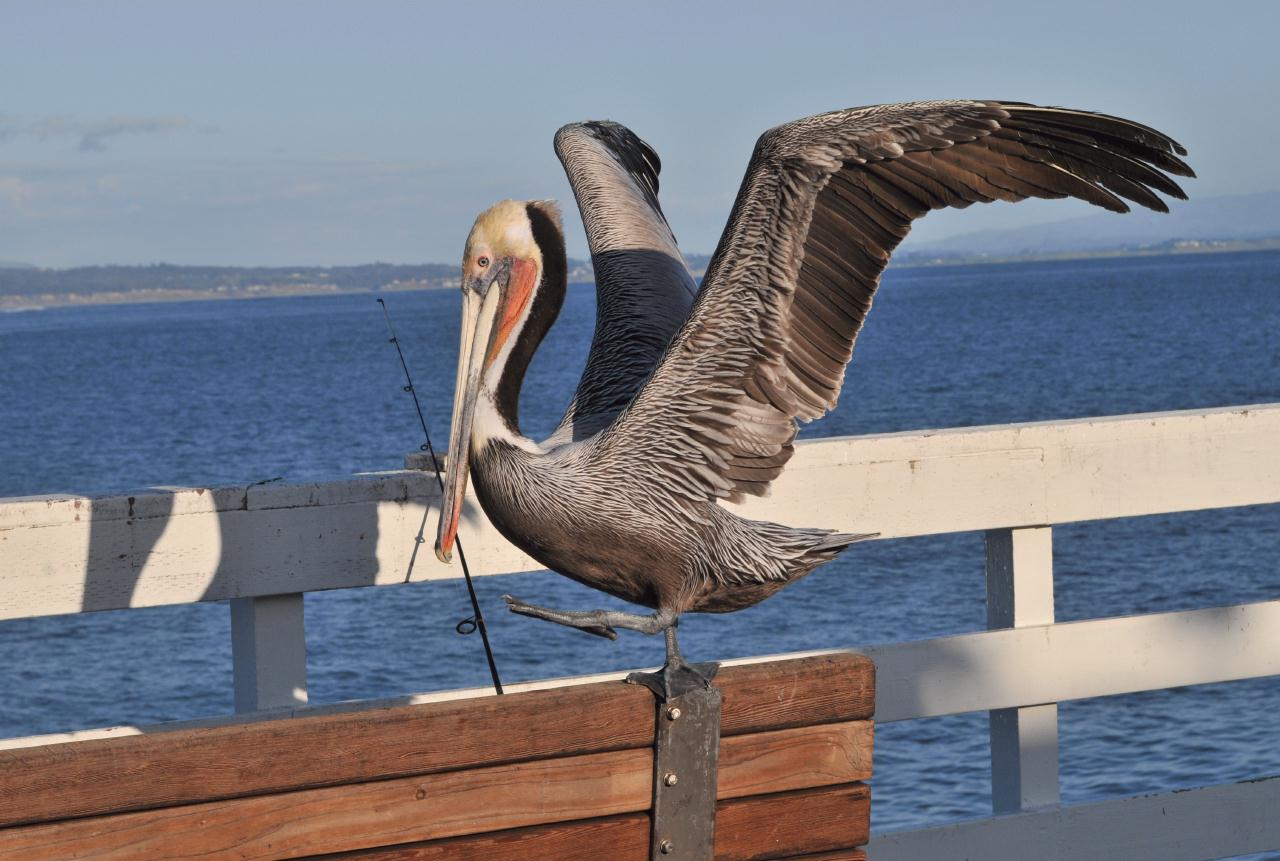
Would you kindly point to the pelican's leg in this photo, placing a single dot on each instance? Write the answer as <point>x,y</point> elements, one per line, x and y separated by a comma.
<point>599,622</point>
<point>676,676</point>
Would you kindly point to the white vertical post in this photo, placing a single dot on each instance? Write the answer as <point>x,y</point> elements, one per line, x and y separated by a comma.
<point>1024,741</point>
<point>268,652</point>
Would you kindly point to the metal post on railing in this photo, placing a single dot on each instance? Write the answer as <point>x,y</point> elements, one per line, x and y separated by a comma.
<point>268,652</point>
<point>1024,741</point>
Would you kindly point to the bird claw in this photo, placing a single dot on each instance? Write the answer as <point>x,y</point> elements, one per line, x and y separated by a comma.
<point>676,678</point>
<point>515,605</point>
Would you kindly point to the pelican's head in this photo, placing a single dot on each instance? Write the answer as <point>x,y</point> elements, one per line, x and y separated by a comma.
<point>513,281</point>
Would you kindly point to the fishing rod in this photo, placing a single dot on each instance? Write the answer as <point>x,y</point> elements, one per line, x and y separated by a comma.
<point>476,622</point>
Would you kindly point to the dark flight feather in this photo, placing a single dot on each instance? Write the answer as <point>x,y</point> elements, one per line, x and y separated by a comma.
<point>824,203</point>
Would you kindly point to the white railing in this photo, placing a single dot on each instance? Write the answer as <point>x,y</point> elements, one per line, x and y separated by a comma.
<point>262,546</point>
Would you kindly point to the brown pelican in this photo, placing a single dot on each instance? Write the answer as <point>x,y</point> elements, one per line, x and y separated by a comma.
<point>691,394</point>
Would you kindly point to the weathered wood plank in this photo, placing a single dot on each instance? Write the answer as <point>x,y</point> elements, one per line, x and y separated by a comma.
<point>432,807</point>
<point>68,554</point>
<point>356,816</point>
<point>787,823</point>
<point>793,823</point>
<point>617,838</point>
<point>170,768</point>
<point>827,688</point>
<point>797,758</point>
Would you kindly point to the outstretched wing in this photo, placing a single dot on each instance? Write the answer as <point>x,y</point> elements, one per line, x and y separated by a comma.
<point>643,287</point>
<point>824,202</point>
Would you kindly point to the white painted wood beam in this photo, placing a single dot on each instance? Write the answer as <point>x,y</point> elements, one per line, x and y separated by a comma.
<point>1075,660</point>
<point>268,652</point>
<point>65,554</point>
<point>1189,825</point>
<point>992,669</point>
<point>1024,741</point>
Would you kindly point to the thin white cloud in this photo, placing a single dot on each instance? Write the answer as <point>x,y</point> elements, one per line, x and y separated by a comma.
<point>92,135</point>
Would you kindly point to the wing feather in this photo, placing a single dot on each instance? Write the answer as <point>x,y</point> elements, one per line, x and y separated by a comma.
<point>643,287</point>
<point>824,203</point>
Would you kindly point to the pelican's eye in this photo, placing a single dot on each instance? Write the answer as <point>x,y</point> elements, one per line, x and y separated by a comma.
<point>482,262</point>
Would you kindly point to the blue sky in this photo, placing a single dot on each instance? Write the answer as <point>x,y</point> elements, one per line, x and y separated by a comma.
<point>332,133</point>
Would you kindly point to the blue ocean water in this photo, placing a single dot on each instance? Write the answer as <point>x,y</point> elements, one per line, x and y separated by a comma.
<point>109,398</point>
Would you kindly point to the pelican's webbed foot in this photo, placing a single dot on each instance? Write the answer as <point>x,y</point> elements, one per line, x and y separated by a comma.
<point>677,677</point>
<point>673,680</point>
<point>602,623</point>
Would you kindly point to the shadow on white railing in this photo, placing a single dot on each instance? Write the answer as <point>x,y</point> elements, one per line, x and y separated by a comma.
<point>262,546</point>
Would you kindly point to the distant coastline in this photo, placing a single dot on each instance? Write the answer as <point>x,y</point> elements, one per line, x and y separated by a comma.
<point>31,302</point>
<point>225,283</point>
<point>1164,249</point>
<point>32,288</point>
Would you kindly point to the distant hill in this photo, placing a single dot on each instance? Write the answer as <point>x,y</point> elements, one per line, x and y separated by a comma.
<point>1235,218</point>
<point>24,286</point>
<point>224,280</point>
<point>12,264</point>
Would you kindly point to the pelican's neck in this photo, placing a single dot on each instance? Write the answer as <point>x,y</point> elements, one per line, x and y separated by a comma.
<point>506,375</point>
<point>491,424</point>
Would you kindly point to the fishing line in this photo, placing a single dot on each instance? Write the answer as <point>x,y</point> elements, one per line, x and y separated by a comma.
<point>476,621</point>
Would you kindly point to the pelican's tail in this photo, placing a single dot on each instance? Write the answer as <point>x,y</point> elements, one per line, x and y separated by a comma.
<point>837,541</point>
<point>752,559</point>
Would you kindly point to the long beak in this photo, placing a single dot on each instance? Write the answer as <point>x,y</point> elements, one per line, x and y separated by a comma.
<point>478,314</point>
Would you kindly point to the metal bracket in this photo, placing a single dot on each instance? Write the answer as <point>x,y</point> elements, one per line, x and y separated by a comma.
<point>686,753</point>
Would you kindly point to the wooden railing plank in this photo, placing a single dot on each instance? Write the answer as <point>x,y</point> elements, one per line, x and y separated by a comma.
<point>1075,660</point>
<point>298,824</point>
<point>797,758</point>
<point>828,688</point>
<point>1024,741</point>
<point>169,768</point>
<point>615,838</point>
<point>163,769</point>
<point>310,822</point>
<point>185,545</point>
<point>268,652</point>
<point>793,823</point>
<point>811,825</point>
